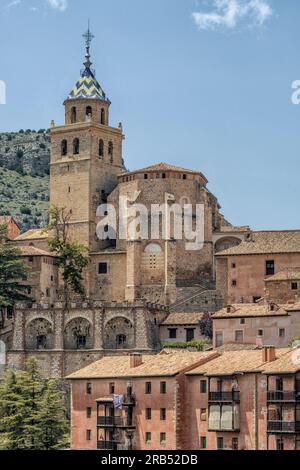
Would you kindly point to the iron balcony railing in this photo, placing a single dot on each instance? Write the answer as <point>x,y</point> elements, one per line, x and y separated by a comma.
<point>233,396</point>
<point>284,426</point>
<point>107,445</point>
<point>283,396</point>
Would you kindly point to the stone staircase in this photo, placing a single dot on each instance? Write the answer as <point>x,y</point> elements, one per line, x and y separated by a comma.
<point>196,297</point>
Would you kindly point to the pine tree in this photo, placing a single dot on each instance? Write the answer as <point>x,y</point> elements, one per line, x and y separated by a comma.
<point>13,274</point>
<point>32,388</point>
<point>32,415</point>
<point>12,413</point>
<point>53,426</point>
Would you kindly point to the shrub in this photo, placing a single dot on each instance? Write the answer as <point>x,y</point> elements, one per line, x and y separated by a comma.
<point>25,210</point>
<point>195,344</point>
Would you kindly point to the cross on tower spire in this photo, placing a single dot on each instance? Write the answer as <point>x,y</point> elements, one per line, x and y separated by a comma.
<point>88,36</point>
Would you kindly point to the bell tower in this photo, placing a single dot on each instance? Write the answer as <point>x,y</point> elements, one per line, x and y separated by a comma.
<point>86,155</point>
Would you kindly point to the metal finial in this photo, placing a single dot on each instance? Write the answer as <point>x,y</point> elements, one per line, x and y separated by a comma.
<point>88,36</point>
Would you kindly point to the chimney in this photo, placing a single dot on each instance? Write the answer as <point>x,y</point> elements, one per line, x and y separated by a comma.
<point>136,359</point>
<point>269,354</point>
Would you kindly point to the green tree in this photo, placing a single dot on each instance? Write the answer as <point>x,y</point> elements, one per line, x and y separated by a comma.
<point>53,432</point>
<point>12,413</point>
<point>13,274</point>
<point>32,413</point>
<point>71,255</point>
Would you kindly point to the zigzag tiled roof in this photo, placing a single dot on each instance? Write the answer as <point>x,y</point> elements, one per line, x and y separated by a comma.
<point>87,87</point>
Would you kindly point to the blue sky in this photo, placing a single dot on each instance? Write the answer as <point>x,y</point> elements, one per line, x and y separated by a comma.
<point>204,85</point>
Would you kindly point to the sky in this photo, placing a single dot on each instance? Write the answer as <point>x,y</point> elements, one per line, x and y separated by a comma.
<point>205,85</point>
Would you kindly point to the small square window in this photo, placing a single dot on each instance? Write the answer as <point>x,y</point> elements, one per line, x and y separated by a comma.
<point>112,388</point>
<point>203,386</point>
<point>270,268</point>
<point>234,283</point>
<point>281,332</point>
<point>163,414</point>
<point>220,443</point>
<point>89,412</point>
<point>163,388</point>
<point>102,268</point>
<point>89,388</point>
<point>233,265</point>
<point>148,388</point>
<point>148,437</point>
<point>148,413</point>
<point>172,333</point>
<point>239,336</point>
<point>203,442</point>
<point>88,435</point>
<point>260,332</point>
<point>163,437</point>
<point>242,321</point>
<point>235,443</point>
<point>295,286</point>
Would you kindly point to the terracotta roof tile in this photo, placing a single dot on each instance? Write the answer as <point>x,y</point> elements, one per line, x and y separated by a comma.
<point>164,364</point>
<point>32,234</point>
<point>288,274</point>
<point>165,167</point>
<point>33,251</point>
<point>251,310</point>
<point>233,362</point>
<point>267,243</point>
<point>288,363</point>
<point>182,318</point>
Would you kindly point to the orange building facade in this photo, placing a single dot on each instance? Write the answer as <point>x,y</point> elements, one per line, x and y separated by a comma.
<point>236,400</point>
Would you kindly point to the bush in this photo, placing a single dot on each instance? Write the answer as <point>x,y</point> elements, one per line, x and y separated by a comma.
<point>25,210</point>
<point>294,342</point>
<point>195,344</point>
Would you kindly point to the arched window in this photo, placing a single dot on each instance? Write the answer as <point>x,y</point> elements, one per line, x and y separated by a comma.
<point>75,146</point>
<point>73,115</point>
<point>88,111</point>
<point>64,147</point>
<point>111,150</point>
<point>101,148</point>
<point>153,248</point>
<point>102,116</point>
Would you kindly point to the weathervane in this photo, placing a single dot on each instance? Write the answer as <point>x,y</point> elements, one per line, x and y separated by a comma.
<point>88,36</point>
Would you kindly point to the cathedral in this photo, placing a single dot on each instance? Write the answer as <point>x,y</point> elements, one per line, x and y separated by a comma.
<point>131,285</point>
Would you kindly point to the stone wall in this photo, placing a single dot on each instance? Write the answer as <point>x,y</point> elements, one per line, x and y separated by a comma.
<point>66,340</point>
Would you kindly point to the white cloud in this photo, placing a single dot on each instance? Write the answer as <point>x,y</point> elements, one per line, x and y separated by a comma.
<point>13,3</point>
<point>231,13</point>
<point>60,5</point>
